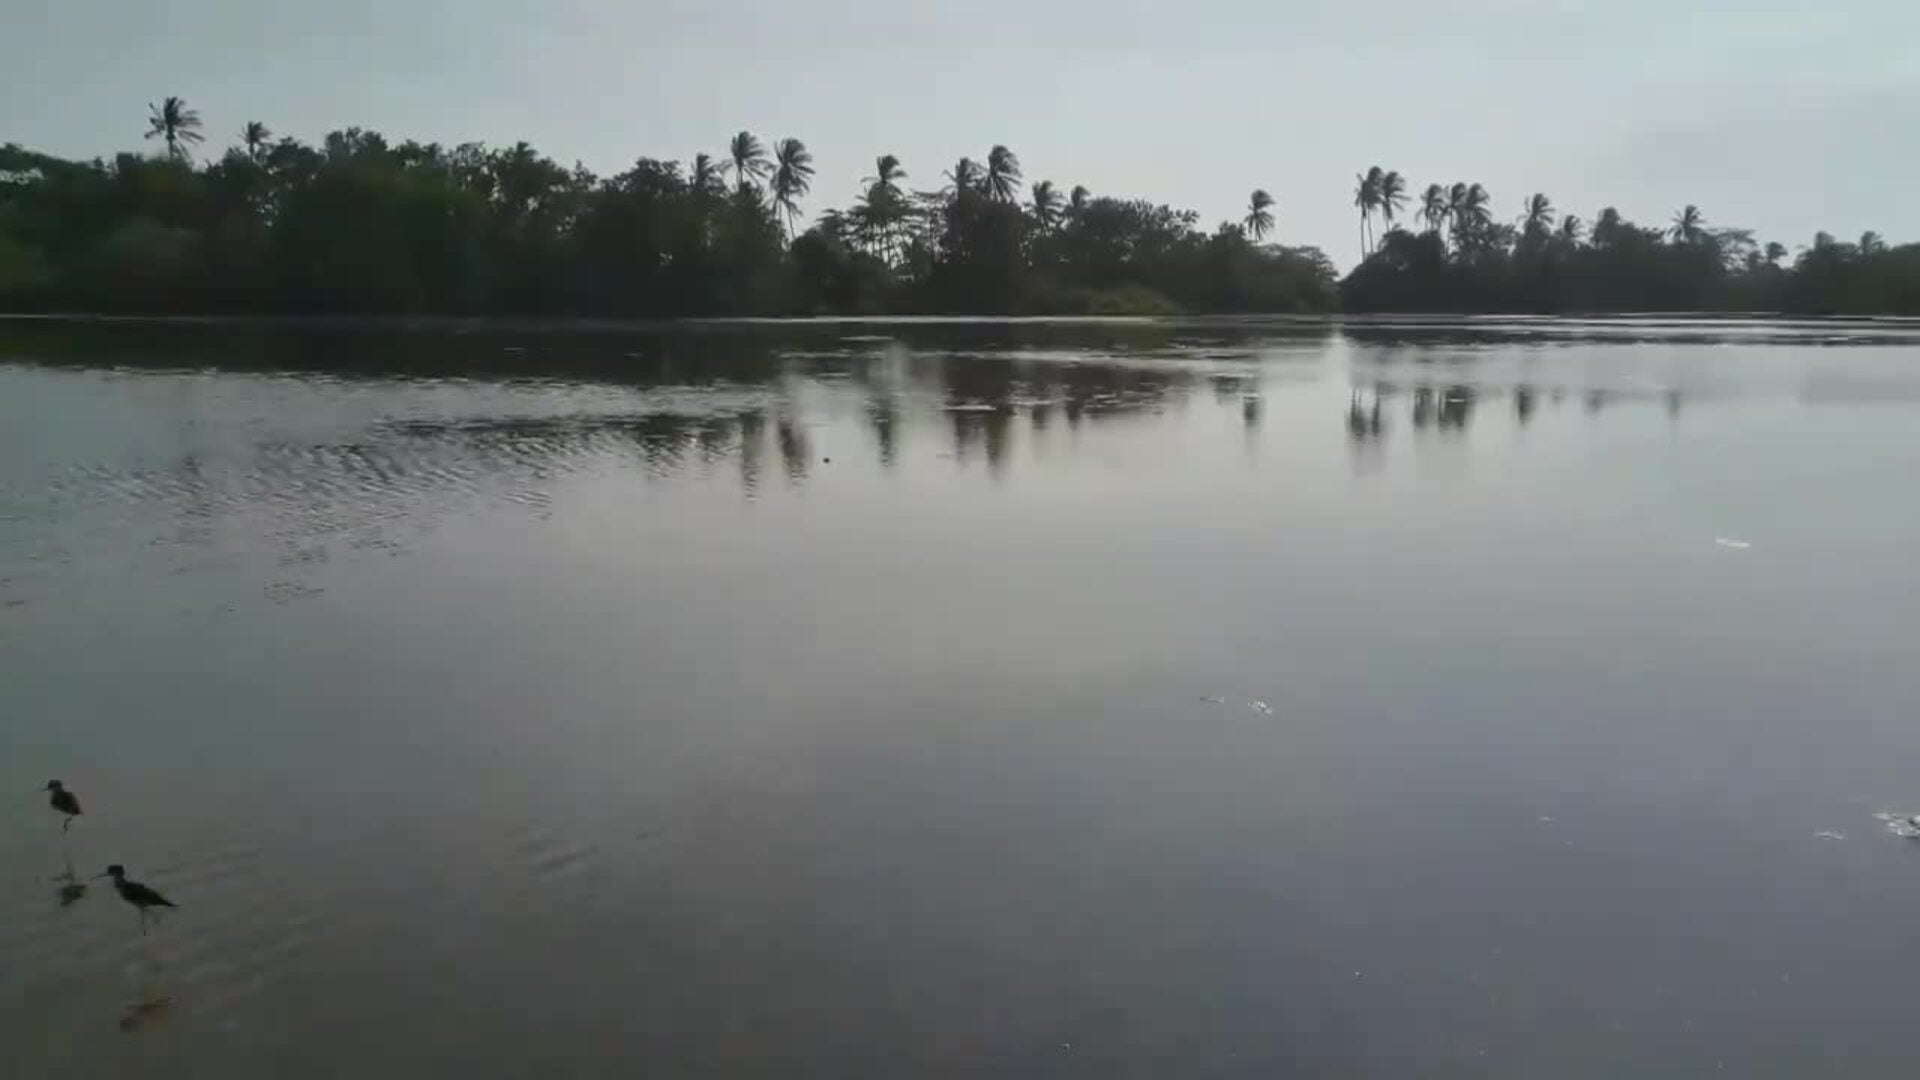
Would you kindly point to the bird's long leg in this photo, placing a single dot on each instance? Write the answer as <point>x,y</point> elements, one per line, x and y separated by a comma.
<point>67,824</point>
<point>143,922</point>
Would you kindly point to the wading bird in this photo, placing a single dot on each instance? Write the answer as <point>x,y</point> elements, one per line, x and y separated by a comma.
<point>63,801</point>
<point>140,896</point>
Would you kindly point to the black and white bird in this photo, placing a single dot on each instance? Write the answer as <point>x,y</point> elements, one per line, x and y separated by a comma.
<point>63,801</point>
<point>140,896</point>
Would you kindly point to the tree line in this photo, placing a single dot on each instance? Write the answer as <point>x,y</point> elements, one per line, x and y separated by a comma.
<point>360,225</point>
<point>1455,255</point>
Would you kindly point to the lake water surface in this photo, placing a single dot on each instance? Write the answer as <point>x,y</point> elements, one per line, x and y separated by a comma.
<point>1500,698</point>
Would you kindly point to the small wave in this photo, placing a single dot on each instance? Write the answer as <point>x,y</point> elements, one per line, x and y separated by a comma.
<point>1905,826</point>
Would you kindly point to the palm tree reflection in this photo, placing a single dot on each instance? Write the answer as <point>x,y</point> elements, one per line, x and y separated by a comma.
<point>1456,407</point>
<point>883,415</point>
<point>795,448</point>
<point>1364,423</point>
<point>753,444</point>
<point>1422,407</point>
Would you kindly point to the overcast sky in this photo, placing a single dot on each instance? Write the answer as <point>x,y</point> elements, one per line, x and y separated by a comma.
<point>1785,117</point>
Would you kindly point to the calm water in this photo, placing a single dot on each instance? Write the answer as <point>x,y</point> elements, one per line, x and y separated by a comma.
<point>886,700</point>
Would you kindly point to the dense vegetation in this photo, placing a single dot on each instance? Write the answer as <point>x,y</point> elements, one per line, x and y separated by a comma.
<point>1463,259</point>
<point>359,225</point>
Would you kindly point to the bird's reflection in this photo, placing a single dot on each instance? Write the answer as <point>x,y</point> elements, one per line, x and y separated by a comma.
<point>150,1009</point>
<point>1523,404</point>
<point>71,889</point>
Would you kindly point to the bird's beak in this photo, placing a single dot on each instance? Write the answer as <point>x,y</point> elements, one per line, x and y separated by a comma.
<point>97,877</point>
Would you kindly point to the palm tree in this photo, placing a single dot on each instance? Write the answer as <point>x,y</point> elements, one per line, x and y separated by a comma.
<point>1689,226</point>
<point>1078,197</point>
<point>1392,196</point>
<point>887,175</point>
<point>173,121</point>
<point>518,178</point>
<point>1607,226</point>
<point>1002,178</point>
<point>1468,209</point>
<point>1366,196</point>
<point>1775,252</point>
<point>1046,205</point>
<point>708,176</point>
<point>255,138</point>
<point>1434,207</point>
<point>1456,212</point>
<point>792,177</point>
<point>964,177</point>
<point>1871,243</point>
<point>1479,207</point>
<point>1538,218</point>
<point>883,206</point>
<point>836,225</point>
<point>1570,229</point>
<point>749,160</point>
<point>1259,219</point>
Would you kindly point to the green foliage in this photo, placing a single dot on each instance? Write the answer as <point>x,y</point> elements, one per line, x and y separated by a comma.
<point>358,225</point>
<point>24,270</point>
<point>145,265</point>
<point>1481,265</point>
<point>1132,300</point>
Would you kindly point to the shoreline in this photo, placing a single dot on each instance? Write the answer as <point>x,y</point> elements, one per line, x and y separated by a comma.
<point>591,323</point>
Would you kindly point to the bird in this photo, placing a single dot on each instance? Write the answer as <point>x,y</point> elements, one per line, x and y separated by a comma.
<point>140,896</point>
<point>63,801</point>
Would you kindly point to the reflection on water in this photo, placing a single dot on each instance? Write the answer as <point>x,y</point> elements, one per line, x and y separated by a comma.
<point>71,889</point>
<point>140,1014</point>
<point>961,699</point>
<point>694,400</point>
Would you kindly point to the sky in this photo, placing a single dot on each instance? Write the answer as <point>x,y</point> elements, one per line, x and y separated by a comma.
<point>1784,117</point>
